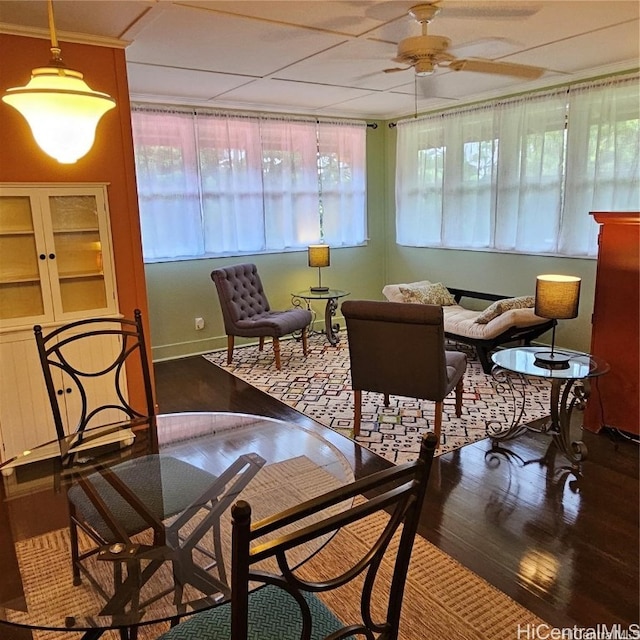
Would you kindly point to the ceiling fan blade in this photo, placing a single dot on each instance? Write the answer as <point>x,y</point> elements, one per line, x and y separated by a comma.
<point>395,69</point>
<point>492,10</point>
<point>500,68</point>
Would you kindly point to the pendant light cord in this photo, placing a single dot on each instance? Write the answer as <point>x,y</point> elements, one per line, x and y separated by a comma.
<point>56,55</point>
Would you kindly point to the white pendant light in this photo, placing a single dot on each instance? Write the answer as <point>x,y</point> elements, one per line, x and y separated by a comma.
<point>61,109</point>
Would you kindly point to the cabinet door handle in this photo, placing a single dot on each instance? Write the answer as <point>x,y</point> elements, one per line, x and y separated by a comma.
<point>43,256</point>
<point>59,392</point>
<point>52,256</point>
<point>68,389</point>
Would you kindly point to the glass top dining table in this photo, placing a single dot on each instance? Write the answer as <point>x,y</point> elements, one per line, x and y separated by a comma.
<point>246,456</point>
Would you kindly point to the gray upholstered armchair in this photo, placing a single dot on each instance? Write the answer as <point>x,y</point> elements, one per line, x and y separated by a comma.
<point>247,313</point>
<point>398,348</point>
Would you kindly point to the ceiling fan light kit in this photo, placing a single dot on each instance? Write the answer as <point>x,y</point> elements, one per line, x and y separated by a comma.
<point>424,68</point>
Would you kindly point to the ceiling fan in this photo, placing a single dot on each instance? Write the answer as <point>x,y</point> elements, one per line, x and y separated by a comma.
<point>424,53</point>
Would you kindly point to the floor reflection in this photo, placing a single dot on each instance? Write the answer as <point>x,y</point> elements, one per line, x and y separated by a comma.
<point>547,560</point>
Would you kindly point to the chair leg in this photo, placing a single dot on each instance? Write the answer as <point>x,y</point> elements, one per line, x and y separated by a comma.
<point>438,421</point>
<point>73,539</point>
<point>357,411</point>
<point>276,352</point>
<point>305,342</point>
<point>261,343</point>
<point>459,389</point>
<point>386,399</point>
<point>230,343</point>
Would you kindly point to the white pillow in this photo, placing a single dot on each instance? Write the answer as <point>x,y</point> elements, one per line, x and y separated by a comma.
<point>428,294</point>
<point>500,306</point>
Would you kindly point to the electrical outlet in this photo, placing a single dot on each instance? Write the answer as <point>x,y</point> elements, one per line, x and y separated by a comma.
<point>199,324</point>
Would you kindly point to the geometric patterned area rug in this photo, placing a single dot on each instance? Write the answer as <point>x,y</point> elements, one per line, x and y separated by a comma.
<point>319,386</point>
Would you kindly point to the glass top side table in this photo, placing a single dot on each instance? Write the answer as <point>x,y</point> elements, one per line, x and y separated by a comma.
<point>569,389</point>
<point>331,296</point>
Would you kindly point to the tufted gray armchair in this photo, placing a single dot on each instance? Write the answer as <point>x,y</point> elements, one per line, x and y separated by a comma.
<point>247,313</point>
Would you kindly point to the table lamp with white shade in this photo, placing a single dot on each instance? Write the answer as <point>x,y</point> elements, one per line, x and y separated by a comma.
<point>557,297</point>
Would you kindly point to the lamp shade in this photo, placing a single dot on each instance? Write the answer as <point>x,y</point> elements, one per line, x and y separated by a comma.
<point>318,255</point>
<point>557,296</point>
<point>62,111</point>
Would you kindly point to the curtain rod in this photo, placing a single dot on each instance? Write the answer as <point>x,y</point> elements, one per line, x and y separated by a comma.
<point>622,77</point>
<point>372,125</point>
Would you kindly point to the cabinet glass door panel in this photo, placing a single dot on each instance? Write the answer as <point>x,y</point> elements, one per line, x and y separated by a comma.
<point>78,250</point>
<point>21,292</point>
<point>18,258</point>
<point>15,214</point>
<point>73,213</point>
<point>22,300</point>
<point>79,254</point>
<point>82,293</point>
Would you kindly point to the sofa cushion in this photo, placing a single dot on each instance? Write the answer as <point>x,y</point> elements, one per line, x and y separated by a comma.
<point>462,322</point>
<point>427,294</point>
<point>507,304</point>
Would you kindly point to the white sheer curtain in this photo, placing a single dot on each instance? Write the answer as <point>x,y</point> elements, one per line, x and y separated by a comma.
<point>520,175</point>
<point>603,166</point>
<point>214,183</point>
<point>445,180</point>
<point>468,195</point>
<point>231,165</point>
<point>290,182</point>
<point>420,156</point>
<point>341,165</point>
<point>530,173</point>
<point>168,184</point>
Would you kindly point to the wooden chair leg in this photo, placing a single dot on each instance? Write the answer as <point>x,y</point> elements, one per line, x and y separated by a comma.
<point>459,389</point>
<point>357,411</point>
<point>305,342</point>
<point>230,343</point>
<point>437,427</point>
<point>276,352</point>
<point>260,343</point>
<point>386,399</point>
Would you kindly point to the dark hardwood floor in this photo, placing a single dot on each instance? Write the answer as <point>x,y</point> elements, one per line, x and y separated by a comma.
<point>564,545</point>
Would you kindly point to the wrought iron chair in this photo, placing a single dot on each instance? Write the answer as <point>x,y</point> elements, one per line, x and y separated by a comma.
<point>85,366</point>
<point>287,607</point>
<point>399,348</point>
<point>247,313</point>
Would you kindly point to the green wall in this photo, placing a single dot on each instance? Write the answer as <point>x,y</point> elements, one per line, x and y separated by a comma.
<point>503,273</point>
<point>179,292</point>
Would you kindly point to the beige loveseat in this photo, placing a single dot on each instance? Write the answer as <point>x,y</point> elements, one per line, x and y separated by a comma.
<point>461,324</point>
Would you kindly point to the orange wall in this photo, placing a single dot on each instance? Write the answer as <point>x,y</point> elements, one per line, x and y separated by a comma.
<point>110,160</point>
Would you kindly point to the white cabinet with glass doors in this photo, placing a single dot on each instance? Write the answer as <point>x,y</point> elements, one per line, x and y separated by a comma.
<point>56,266</point>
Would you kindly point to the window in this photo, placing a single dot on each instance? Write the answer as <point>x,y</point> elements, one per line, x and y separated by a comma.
<point>214,184</point>
<point>520,175</point>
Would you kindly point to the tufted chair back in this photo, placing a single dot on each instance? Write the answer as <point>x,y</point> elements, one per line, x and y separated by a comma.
<point>241,294</point>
